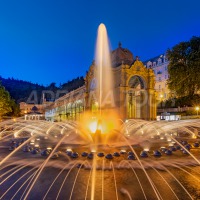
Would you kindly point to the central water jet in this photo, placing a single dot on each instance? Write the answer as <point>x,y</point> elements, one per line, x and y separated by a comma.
<point>103,75</point>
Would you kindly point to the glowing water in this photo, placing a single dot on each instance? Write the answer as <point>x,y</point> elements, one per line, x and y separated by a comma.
<point>104,88</point>
<point>22,173</point>
<point>103,74</point>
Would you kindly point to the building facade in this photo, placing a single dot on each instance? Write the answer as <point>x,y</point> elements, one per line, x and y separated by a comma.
<point>26,108</point>
<point>32,111</point>
<point>133,94</point>
<point>68,107</point>
<point>159,65</point>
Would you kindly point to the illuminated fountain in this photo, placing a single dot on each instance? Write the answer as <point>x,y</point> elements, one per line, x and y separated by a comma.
<point>118,171</point>
<point>102,157</point>
<point>102,123</point>
<point>103,74</point>
<point>102,126</point>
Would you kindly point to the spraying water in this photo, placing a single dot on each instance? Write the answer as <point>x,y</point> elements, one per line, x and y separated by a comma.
<point>103,74</point>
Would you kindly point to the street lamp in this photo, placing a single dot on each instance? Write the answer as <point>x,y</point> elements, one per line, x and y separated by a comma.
<point>197,109</point>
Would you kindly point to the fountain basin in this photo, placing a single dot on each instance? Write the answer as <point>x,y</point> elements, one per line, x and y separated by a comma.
<point>109,156</point>
<point>157,153</point>
<point>143,154</point>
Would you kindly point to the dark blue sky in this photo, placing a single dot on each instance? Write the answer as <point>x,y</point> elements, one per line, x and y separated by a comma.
<point>46,41</point>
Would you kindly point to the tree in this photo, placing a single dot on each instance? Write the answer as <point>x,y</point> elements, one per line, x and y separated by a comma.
<point>184,67</point>
<point>5,101</point>
<point>52,86</point>
<point>15,109</point>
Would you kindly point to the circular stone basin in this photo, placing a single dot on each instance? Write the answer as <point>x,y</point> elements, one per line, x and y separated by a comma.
<point>196,144</point>
<point>131,153</point>
<point>69,152</point>
<point>74,155</point>
<point>157,153</point>
<point>100,154</point>
<point>188,146</point>
<point>143,154</point>
<point>26,149</point>
<point>131,157</point>
<point>109,156</point>
<point>90,156</point>
<point>45,152</point>
<point>116,154</point>
<point>172,148</point>
<point>34,151</point>
<point>168,152</point>
<point>177,147</point>
<point>84,154</point>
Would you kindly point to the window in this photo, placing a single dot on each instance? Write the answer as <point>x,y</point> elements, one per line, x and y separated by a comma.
<point>159,87</point>
<point>159,78</point>
<point>159,72</point>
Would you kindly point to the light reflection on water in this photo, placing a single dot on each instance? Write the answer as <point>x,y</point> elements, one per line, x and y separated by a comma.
<point>125,181</point>
<point>127,185</point>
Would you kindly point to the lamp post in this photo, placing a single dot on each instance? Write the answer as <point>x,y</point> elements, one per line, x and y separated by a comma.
<point>197,109</point>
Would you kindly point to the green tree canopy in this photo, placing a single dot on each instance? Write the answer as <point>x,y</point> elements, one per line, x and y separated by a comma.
<point>5,102</point>
<point>184,67</point>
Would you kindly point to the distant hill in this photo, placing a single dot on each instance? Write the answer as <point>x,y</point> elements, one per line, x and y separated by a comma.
<point>21,90</point>
<point>73,84</point>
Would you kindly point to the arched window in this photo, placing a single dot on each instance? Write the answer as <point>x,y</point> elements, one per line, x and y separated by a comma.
<point>136,82</point>
<point>93,84</point>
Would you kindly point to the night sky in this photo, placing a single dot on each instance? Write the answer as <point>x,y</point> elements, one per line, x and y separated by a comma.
<point>46,41</point>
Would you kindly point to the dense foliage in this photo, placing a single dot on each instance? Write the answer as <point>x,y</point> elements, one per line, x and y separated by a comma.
<point>20,90</point>
<point>184,67</point>
<point>185,101</point>
<point>73,84</point>
<point>5,102</point>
